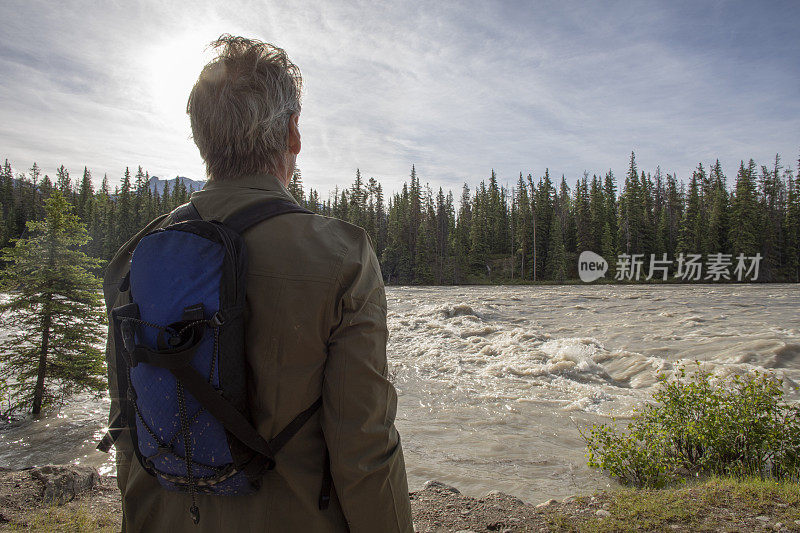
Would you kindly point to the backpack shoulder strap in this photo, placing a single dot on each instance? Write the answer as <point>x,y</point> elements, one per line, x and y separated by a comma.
<point>261,211</point>
<point>184,213</point>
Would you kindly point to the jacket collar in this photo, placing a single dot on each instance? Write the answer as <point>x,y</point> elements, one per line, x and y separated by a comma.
<point>264,182</point>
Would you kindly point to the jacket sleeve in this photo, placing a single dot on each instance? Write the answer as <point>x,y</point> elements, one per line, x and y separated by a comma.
<point>360,403</point>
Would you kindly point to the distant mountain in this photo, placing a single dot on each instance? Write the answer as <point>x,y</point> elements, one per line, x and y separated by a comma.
<point>157,184</point>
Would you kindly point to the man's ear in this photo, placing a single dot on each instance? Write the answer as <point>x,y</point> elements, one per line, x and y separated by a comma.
<point>294,134</point>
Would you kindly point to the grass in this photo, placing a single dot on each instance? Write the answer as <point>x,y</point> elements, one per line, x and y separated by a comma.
<point>68,518</point>
<point>716,504</point>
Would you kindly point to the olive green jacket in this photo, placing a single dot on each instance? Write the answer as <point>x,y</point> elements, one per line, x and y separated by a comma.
<point>315,325</point>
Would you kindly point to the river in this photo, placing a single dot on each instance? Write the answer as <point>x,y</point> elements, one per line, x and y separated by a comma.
<point>494,382</point>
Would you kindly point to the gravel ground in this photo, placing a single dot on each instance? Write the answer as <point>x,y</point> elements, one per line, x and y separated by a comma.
<point>29,500</point>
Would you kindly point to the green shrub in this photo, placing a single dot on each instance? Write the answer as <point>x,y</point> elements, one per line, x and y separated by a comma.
<point>695,425</point>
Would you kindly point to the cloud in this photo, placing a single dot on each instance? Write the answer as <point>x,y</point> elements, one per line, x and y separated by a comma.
<point>457,89</point>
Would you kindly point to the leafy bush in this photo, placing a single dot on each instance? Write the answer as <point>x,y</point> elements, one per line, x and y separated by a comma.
<point>741,426</point>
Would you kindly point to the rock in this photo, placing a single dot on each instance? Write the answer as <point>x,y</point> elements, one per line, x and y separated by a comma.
<point>778,526</point>
<point>439,486</point>
<point>499,495</point>
<point>763,518</point>
<point>548,503</point>
<point>602,513</point>
<point>62,483</point>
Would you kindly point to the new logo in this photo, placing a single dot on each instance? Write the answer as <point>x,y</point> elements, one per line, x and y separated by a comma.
<point>591,266</point>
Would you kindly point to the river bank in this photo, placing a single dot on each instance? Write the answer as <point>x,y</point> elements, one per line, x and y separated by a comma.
<point>78,499</point>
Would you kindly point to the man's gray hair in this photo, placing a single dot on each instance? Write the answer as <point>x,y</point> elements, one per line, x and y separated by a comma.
<point>241,105</point>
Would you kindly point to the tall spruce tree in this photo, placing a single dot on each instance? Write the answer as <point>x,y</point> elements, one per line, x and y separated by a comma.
<point>793,226</point>
<point>85,199</point>
<point>54,311</point>
<point>544,205</point>
<point>523,228</point>
<point>461,239</point>
<point>745,220</point>
<point>610,194</point>
<point>692,228</point>
<point>716,234</point>
<point>556,267</point>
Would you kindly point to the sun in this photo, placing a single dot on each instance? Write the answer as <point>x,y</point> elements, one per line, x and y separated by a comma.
<point>175,65</point>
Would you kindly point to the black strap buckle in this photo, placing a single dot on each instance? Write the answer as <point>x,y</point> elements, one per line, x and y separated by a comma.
<point>217,320</point>
<point>128,341</point>
<point>193,313</point>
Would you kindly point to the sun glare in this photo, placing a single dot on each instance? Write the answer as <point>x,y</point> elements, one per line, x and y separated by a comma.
<point>175,65</point>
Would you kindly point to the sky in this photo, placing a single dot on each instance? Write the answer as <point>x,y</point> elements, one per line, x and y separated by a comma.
<point>455,88</point>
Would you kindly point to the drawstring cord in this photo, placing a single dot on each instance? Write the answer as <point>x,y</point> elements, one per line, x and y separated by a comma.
<point>194,511</point>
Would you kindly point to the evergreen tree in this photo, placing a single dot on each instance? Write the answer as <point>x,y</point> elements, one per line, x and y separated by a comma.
<point>167,205</point>
<point>716,234</point>
<point>523,228</point>
<point>564,210</point>
<point>45,190</point>
<point>597,219</point>
<point>370,216</point>
<point>692,228</point>
<point>557,256</point>
<point>31,205</point>
<point>792,225</point>
<point>55,305</point>
<point>479,232</point>
<point>673,208</point>
<point>357,201</point>
<point>771,199</point>
<point>295,187</point>
<point>611,220</point>
<point>461,246</point>
<point>632,221</point>
<point>107,220</point>
<point>744,232</point>
<point>496,219</point>
<point>543,210</point>
<point>381,221</point>
<point>648,226</point>
<point>85,197</point>
<point>125,215</point>
<point>443,225</point>
<point>64,182</point>
<point>141,200</point>
<point>584,238</point>
<point>425,253</point>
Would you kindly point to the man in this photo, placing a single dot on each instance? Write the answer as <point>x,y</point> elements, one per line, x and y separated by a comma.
<point>315,325</point>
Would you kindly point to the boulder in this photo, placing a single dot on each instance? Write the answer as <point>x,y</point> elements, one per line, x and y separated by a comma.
<point>62,483</point>
<point>439,486</point>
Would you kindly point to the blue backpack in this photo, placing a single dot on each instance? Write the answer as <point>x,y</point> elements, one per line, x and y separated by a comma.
<point>180,358</point>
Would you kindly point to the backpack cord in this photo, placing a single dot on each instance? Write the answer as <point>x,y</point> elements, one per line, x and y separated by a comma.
<point>187,453</point>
